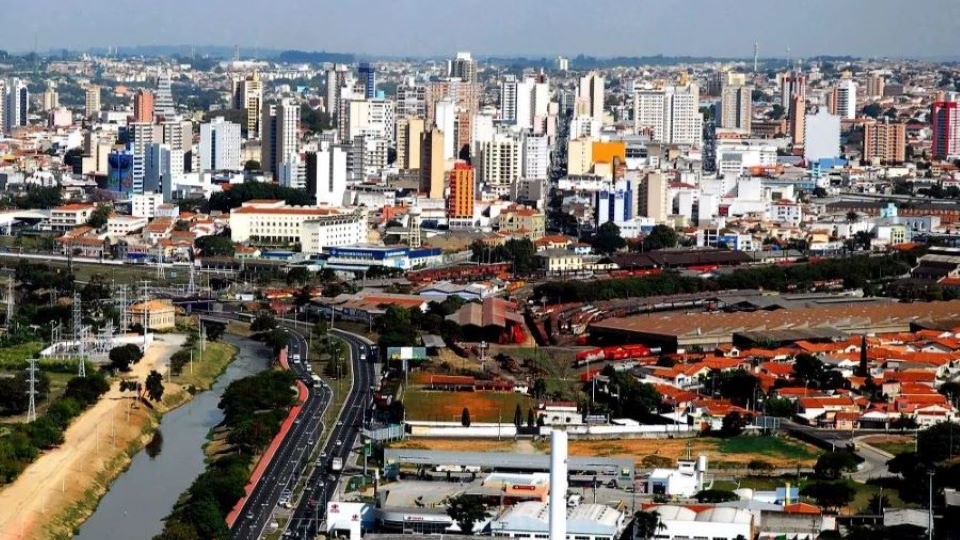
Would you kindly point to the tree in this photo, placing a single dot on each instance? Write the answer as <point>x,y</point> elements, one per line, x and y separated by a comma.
<point>829,494</point>
<point>215,246</point>
<point>939,442</point>
<point>807,368</point>
<point>776,112</point>
<point>780,407</point>
<point>732,424</point>
<point>298,274</point>
<point>121,357</point>
<point>277,339</point>
<point>951,390</point>
<point>661,236</point>
<point>214,330</point>
<point>466,511</point>
<point>539,388</point>
<point>715,496</point>
<point>98,218</point>
<point>646,524</point>
<point>154,385</point>
<point>759,466</point>
<point>518,416</point>
<point>252,165</point>
<point>607,239</point>
<point>263,321</point>
<point>831,465</point>
<point>873,110</point>
<point>878,501</point>
<point>177,530</point>
<point>739,386</point>
<point>531,418</point>
<point>465,417</point>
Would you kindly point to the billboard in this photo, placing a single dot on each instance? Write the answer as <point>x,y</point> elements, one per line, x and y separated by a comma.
<point>406,353</point>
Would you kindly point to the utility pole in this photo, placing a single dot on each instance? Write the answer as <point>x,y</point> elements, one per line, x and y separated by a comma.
<point>78,333</point>
<point>10,308</point>
<point>930,512</point>
<point>32,392</point>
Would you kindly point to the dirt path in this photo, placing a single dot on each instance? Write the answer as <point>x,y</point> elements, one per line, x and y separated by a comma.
<point>41,500</point>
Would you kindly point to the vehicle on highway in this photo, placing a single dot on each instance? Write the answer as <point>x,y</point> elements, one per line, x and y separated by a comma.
<point>337,464</point>
<point>363,357</point>
<point>296,357</point>
<point>317,381</point>
<point>339,442</point>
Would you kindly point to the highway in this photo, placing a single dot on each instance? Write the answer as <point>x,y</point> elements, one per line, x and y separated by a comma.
<point>310,511</point>
<point>292,456</point>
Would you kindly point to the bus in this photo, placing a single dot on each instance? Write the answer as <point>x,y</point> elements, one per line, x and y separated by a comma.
<point>317,382</point>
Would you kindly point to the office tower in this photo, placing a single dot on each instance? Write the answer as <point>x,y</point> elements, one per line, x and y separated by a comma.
<point>736,107</point>
<point>51,99</point>
<point>652,197</point>
<point>409,135</point>
<point>463,67</point>
<point>92,101</point>
<point>163,98</point>
<point>847,99</point>
<point>884,141</point>
<point>460,200</point>
<point>411,99</point>
<point>590,92</point>
<point>16,104</point>
<point>142,135</point>
<point>432,162</point>
<point>672,113</point>
<point>248,95</point>
<point>796,120</point>
<point>143,106</point>
<point>280,127</point>
<point>500,163</point>
<point>162,165</point>
<point>945,121</point>
<point>536,157</point>
<point>446,121</point>
<point>336,79</point>
<point>368,78</point>
<point>821,137</point>
<point>563,63</point>
<point>615,205</point>
<point>875,86</point>
<point>326,176</point>
<point>220,146</point>
<point>366,117</point>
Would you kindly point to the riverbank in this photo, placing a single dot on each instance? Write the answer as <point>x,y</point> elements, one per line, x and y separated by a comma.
<point>57,492</point>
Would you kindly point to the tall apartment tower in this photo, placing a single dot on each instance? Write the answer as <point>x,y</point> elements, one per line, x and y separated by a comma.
<point>280,124</point>
<point>672,113</point>
<point>16,104</point>
<point>336,79</point>
<point>847,99</point>
<point>590,92</point>
<point>143,106</point>
<point>51,99</point>
<point>884,141</point>
<point>945,119</point>
<point>248,95</point>
<point>327,174</point>
<point>220,146</point>
<point>464,67</point>
<point>460,201</point>
<point>163,99</point>
<point>409,135</point>
<point>432,163</point>
<point>736,107</point>
<point>875,86</point>
<point>797,120</point>
<point>652,197</point>
<point>91,101</point>
<point>368,78</point>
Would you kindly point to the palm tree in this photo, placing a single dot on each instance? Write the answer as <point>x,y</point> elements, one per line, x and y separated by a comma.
<point>647,524</point>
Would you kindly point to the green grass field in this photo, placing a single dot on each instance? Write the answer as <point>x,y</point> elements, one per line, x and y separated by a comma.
<point>216,356</point>
<point>448,406</point>
<point>774,447</point>
<point>13,357</point>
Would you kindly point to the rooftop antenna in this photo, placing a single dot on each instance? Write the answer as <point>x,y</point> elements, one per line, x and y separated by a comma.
<point>756,56</point>
<point>32,392</point>
<point>236,53</point>
<point>789,58</point>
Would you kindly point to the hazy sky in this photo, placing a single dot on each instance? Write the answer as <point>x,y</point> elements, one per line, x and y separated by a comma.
<point>916,28</point>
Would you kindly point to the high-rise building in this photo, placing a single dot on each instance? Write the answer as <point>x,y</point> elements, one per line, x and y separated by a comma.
<point>508,99</point>
<point>446,121</point>
<point>590,92</point>
<point>652,197</point>
<point>463,67</point>
<point>500,162</point>
<point>163,98</point>
<point>375,117</point>
<point>536,157</point>
<point>248,95</point>
<point>945,119</point>
<point>142,136</point>
<point>460,200</point>
<point>220,146</point>
<point>465,95</point>
<point>876,85</point>
<point>884,141</point>
<point>143,106</point>
<point>671,113</point>
<point>411,99</point>
<point>162,165</point>
<point>16,104</point>
<point>368,78</point>
<point>92,101</point>
<point>432,162</point>
<point>796,120</point>
<point>736,107</point>
<point>563,63</point>
<point>51,99</point>
<point>336,79</point>
<point>327,174</point>
<point>409,134</point>
<point>177,133</point>
<point>280,126</point>
<point>847,99</point>
<point>793,84</point>
<point>821,137</point>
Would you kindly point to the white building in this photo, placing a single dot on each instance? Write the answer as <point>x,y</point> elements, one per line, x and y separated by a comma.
<point>68,216</point>
<point>500,163</point>
<point>145,204</point>
<point>536,157</point>
<point>124,225</point>
<point>368,116</point>
<point>446,120</point>
<point>671,113</point>
<point>822,139</point>
<point>785,212</point>
<point>220,146</point>
<point>733,158</point>
<point>321,232</point>
<point>530,519</point>
<point>273,221</point>
<point>326,174</point>
<point>684,481</point>
<point>590,94</point>
<point>280,125</point>
<point>716,523</point>
<point>846,99</point>
<point>160,164</point>
<point>15,104</point>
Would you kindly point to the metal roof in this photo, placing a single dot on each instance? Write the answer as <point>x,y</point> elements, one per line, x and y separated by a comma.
<point>505,461</point>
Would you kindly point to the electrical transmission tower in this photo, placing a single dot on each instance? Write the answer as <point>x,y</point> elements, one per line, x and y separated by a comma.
<point>192,287</point>
<point>79,334</point>
<point>124,312</point>
<point>10,308</point>
<point>32,392</point>
<point>159,262</point>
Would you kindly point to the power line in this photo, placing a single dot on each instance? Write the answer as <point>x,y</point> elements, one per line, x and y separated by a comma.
<point>32,392</point>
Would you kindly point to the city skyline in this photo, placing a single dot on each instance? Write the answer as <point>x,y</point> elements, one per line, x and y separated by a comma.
<point>563,27</point>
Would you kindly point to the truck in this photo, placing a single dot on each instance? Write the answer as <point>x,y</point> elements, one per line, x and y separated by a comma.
<point>336,464</point>
<point>317,382</point>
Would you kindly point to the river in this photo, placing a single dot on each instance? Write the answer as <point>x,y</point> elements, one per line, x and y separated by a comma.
<point>145,493</point>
